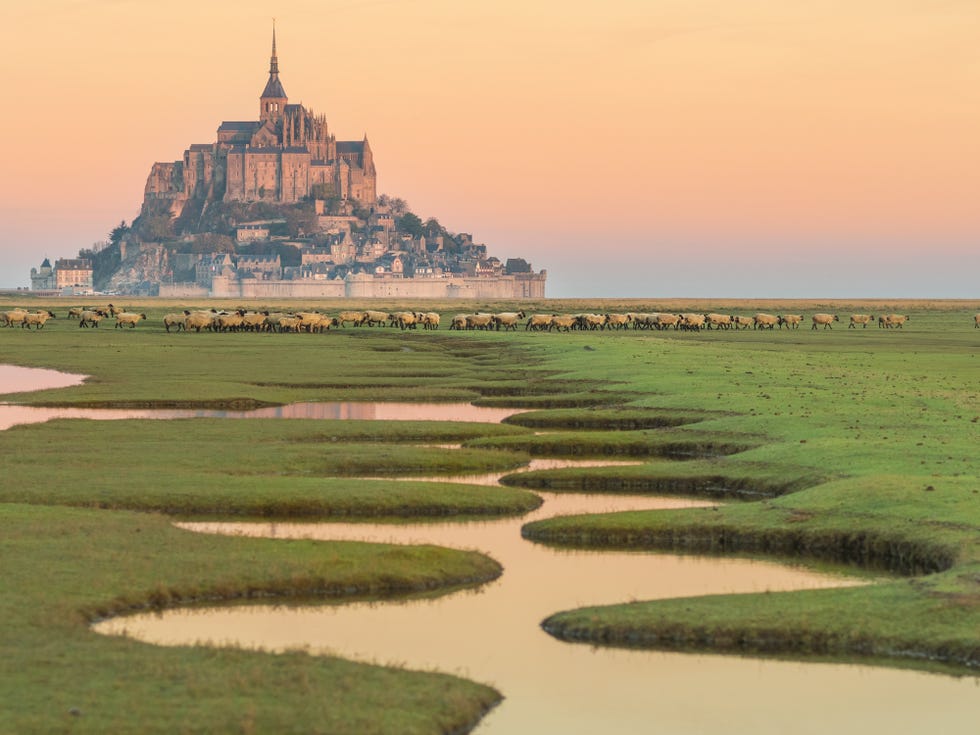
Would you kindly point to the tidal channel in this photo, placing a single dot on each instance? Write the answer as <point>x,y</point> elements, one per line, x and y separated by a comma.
<point>492,634</point>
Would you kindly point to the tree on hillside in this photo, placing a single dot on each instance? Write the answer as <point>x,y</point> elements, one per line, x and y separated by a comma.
<point>397,207</point>
<point>118,232</point>
<point>410,224</point>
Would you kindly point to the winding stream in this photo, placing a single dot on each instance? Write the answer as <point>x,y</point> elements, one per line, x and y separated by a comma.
<point>492,634</point>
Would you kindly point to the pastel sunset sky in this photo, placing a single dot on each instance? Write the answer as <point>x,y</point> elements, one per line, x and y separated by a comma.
<point>642,148</point>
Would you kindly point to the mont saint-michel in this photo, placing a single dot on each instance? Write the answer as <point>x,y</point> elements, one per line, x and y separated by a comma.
<point>278,207</point>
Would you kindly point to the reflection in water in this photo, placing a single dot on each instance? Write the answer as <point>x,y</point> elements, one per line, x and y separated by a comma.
<point>492,635</point>
<point>11,415</point>
<point>14,379</point>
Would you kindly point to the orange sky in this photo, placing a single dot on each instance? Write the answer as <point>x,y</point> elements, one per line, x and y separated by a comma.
<point>698,147</point>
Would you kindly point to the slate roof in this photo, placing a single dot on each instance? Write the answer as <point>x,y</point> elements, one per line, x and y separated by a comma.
<point>273,88</point>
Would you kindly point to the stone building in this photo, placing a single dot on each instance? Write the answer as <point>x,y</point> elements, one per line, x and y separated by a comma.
<point>287,155</point>
<point>42,279</point>
<point>68,275</point>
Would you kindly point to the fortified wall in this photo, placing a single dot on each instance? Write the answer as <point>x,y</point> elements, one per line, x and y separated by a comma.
<point>363,286</point>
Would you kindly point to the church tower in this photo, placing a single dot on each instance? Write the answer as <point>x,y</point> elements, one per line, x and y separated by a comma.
<point>273,100</point>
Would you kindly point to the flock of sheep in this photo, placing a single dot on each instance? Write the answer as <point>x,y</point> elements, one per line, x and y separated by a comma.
<point>242,320</point>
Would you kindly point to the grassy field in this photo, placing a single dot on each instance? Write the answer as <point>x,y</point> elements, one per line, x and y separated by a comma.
<point>852,445</point>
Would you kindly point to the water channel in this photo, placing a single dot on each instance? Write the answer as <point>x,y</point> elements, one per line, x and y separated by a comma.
<point>492,634</point>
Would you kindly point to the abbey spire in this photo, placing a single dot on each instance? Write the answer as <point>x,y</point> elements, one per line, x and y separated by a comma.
<point>273,100</point>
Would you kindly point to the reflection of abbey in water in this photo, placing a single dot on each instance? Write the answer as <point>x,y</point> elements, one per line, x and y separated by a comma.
<point>285,156</point>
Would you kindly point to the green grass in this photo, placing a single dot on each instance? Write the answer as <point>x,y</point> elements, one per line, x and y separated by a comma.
<point>861,442</point>
<point>64,567</point>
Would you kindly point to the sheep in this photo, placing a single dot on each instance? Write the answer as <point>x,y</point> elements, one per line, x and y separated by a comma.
<point>563,322</point>
<point>666,321</point>
<point>430,320</point>
<point>507,320</point>
<point>198,320</point>
<point>764,321</point>
<point>825,319</point>
<point>458,322</point>
<point>229,322</point>
<point>12,317</point>
<point>538,323</point>
<point>590,321</point>
<point>255,321</point>
<point>36,318</point>
<point>479,321</point>
<point>722,321</point>
<point>314,321</point>
<point>862,319</point>
<point>617,321</point>
<point>128,317</point>
<point>976,321</point>
<point>354,317</point>
<point>405,319</point>
<point>743,322</point>
<point>692,322</point>
<point>75,312</point>
<point>175,320</point>
<point>375,318</point>
<point>91,318</point>
<point>289,323</point>
<point>790,321</point>
<point>895,320</point>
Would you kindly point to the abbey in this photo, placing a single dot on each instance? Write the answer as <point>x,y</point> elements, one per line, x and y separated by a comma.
<point>285,156</point>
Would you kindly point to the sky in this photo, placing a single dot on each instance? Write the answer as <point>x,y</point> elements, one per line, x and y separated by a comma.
<point>635,148</point>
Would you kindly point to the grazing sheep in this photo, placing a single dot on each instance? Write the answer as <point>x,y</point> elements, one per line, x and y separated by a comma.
<point>36,318</point>
<point>128,318</point>
<point>764,321</point>
<point>790,321</point>
<point>824,319</point>
<point>75,312</point>
<point>91,318</point>
<point>862,319</point>
<point>507,320</point>
<point>538,323</point>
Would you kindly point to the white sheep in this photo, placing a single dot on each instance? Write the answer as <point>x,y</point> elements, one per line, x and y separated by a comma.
<point>129,318</point>
<point>826,320</point>
<point>862,319</point>
<point>507,320</point>
<point>790,321</point>
<point>36,319</point>
<point>91,318</point>
<point>765,321</point>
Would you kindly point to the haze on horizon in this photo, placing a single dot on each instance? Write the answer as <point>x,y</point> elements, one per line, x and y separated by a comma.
<point>641,148</point>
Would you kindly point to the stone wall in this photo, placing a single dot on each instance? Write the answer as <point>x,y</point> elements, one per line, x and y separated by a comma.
<point>530,286</point>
